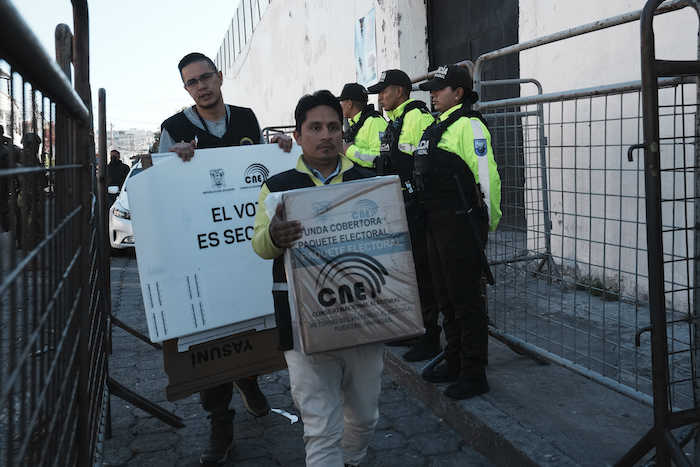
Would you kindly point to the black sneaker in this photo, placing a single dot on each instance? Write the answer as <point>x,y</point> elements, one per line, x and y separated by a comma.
<point>220,442</point>
<point>254,400</point>
<point>422,351</point>
<point>440,374</point>
<point>466,388</point>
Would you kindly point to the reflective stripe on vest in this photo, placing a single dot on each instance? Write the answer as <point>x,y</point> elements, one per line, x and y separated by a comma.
<point>483,161</point>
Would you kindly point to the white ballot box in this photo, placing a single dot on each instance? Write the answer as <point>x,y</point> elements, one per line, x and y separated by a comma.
<point>193,223</point>
<point>352,279</point>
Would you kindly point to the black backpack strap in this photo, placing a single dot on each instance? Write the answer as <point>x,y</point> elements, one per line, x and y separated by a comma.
<point>368,111</point>
<point>399,121</point>
<point>474,114</point>
<point>415,105</point>
<point>386,163</point>
<point>435,131</point>
<point>410,106</point>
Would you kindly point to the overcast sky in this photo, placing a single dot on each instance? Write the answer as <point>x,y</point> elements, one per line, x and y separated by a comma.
<point>135,46</point>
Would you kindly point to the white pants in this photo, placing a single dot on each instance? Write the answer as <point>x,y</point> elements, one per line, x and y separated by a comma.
<point>337,394</point>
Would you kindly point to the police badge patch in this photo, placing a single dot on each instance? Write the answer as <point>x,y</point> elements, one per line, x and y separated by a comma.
<point>480,146</point>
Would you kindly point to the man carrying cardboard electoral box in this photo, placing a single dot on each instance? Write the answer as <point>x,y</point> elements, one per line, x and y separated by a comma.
<point>211,123</point>
<point>337,391</point>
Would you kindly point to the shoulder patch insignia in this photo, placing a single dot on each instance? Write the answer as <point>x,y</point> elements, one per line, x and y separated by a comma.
<point>480,146</point>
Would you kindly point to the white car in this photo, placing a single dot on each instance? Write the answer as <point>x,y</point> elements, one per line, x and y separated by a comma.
<point>121,232</point>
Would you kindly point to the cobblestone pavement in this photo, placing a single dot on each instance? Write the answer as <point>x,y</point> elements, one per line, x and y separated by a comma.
<point>408,434</point>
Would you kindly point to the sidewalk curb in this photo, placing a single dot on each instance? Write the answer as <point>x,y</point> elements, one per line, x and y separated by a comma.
<point>481,424</point>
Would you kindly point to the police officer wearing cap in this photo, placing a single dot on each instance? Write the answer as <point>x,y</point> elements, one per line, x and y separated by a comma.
<point>361,141</point>
<point>408,119</point>
<point>454,163</point>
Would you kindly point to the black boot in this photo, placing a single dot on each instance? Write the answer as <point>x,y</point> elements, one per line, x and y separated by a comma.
<point>220,439</point>
<point>423,350</point>
<point>254,400</point>
<point>441,374</point>
<point>465,388</point>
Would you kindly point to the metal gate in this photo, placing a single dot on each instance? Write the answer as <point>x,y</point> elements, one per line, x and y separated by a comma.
<point>53,309</point>
<point>597,244</point>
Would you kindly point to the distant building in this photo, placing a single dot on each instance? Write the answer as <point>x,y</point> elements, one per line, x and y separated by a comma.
<point>6,110</point>
<point>130,142</point>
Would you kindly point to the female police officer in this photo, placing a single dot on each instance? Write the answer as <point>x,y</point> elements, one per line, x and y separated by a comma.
<point>454,168</point>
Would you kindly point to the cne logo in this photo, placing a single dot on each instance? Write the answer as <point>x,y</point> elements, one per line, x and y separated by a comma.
<point>348,277</point>
<point>364,209</point>
<point>256,174</point>
<point>217,178</point>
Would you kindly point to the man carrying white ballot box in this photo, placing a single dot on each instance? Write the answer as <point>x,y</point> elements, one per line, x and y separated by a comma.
<point>211,123</point>
<point>336,392</point>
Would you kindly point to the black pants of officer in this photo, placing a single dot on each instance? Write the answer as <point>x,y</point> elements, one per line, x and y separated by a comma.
<point>426,290</point>
<point>458,287</point>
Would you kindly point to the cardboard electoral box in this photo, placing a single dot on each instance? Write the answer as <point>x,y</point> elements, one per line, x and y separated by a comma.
<point>352,276</point>
<point>193,223</point>
<point>219,361</point>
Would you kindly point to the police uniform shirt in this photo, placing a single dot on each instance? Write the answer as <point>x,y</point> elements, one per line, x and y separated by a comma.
<point>471,141</point>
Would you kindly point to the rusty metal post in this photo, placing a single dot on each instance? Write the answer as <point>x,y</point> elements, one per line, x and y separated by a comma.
<point>85,157</point>
<point>102,183</point>
<point>667,447</point>
<point>64,56</point>
<point>81,52</point>
<point>103,231</point>
<point>64,48</point>
<point>652,183</point>
<point>695,309</point>
<point>103,212</point>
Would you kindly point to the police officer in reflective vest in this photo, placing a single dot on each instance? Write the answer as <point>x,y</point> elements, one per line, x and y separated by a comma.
<point>454,164</point>
<point>361,141</point>
<point>408,119</point>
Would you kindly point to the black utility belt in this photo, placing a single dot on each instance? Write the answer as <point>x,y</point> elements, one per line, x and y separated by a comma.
<point>431,202</point>
<point>438,201</point>
<point>434,180</point>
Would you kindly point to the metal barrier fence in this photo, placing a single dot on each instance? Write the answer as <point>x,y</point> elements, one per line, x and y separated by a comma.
<point>53,311</point>
<point>573,284</point>
<point>243,23</point>
<point>270,131</point>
